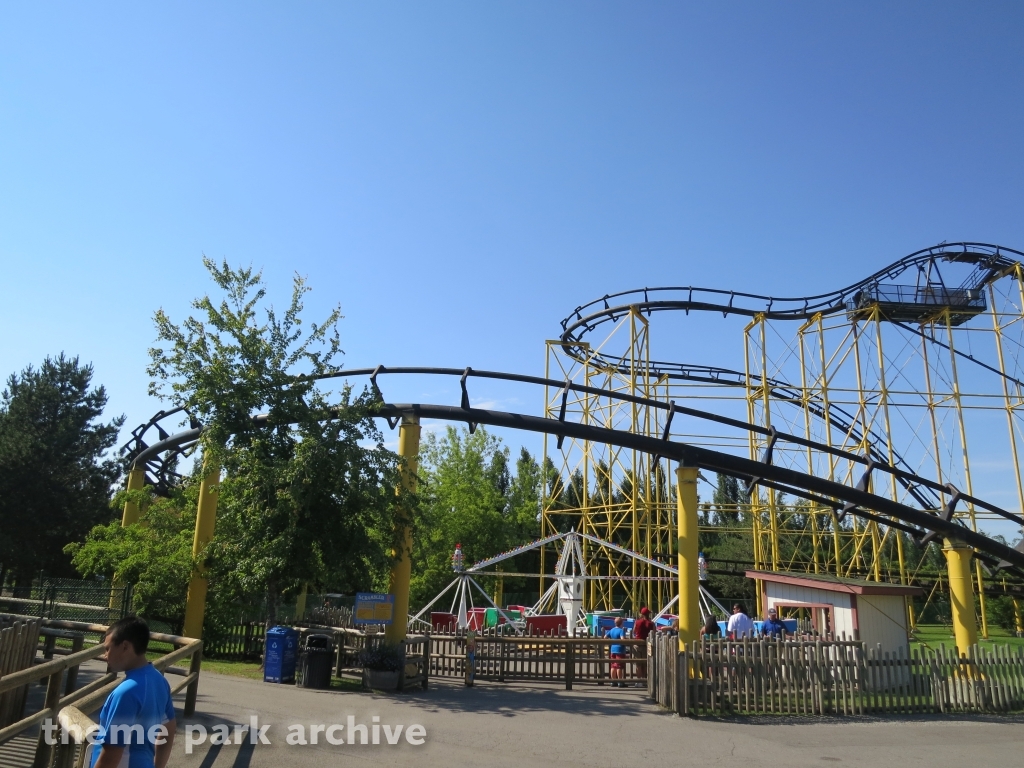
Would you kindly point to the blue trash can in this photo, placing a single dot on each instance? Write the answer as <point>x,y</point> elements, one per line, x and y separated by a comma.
<point>279,654</point>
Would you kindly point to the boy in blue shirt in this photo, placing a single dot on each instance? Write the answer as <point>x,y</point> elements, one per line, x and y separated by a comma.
<point>617,653</point>
<point>137,723</point>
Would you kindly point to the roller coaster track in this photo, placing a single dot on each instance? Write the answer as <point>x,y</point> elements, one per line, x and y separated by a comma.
<point>991,262</point>
<point>842,420</point>
<point>856,500</point>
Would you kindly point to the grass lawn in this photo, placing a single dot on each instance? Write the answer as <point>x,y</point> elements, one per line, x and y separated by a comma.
<point>932,636</point>
<point>253,671</point>
<point>250,669</point>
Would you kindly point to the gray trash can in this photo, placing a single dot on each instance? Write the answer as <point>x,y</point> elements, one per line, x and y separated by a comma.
<point>316,662</point>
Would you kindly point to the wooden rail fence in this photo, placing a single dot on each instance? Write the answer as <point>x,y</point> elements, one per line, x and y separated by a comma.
<point>18,641</point>
<point>72,705</point>
<point>243,642</point>
<point>819,677</point>
<point>558,658</point>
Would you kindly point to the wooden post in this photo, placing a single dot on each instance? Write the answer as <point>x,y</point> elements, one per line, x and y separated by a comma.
<point>193,688</point>
<point>502,651</point>
<point>44,750</point>
<point>682,681</point>
<point>426,660</point>
<point>470,647</point>
<point>72,682</point>
<point>401,671</point>
<point>339,654</point>
<point>49,641</point>
<point>570,663</point>
<point>652,641</point>
<point>65,757</point>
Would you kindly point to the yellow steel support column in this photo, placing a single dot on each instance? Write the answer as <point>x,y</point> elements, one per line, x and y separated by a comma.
<point>961,594</point>
<point>826,411</point>
<point>809,434</point>
<point>401,571</point>
<point>689,586</point>
<point>959,409</point>
<point>130,516</point>
<point>136,482</point>
<point>1018,625</point>
<point>300,603</point>
<point>206,518</point>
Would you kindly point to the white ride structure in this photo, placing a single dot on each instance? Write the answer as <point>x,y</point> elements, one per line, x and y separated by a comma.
<point>567,589</point>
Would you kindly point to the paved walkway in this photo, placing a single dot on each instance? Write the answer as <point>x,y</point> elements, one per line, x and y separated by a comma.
<point>518,725</point>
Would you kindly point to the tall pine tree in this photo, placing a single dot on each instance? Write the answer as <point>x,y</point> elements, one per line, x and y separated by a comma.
<point>55,476</point>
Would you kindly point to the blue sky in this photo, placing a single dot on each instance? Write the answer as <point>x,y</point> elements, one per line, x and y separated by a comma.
<point>459,176</point>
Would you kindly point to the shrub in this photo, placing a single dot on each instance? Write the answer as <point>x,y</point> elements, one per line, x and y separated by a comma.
<point>383,657</point>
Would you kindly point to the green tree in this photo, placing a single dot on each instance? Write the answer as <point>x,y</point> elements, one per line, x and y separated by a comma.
<point>727,498</point>
<point>728,545</point>
<point>463,485</point>
<point>155,556</point>
<point>524,500</point>
<point>55,476</point>
<point>523,523</point>
<point>308,494</point>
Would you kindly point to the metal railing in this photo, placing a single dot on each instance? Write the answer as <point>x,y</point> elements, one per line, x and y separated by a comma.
<point>931,296</point>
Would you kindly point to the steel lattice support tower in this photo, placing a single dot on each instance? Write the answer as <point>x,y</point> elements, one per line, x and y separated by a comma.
<point>912,376</point>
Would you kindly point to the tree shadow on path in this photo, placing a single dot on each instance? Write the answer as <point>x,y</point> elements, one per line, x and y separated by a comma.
<point>511,699</point>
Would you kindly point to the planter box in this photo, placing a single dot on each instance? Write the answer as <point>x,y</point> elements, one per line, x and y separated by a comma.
<point>381,680</point>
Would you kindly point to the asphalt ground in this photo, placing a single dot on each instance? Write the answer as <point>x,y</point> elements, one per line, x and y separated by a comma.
<point>520,725</point>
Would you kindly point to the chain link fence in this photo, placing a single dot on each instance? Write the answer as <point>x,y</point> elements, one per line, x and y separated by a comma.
<point>83,600</point>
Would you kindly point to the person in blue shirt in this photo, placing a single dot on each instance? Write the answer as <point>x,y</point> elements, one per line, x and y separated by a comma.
<point>137,723</point>
<point>773,625</point>
<point>617,653</point>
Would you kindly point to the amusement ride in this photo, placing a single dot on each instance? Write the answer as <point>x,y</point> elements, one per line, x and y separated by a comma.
<point>863,426</point>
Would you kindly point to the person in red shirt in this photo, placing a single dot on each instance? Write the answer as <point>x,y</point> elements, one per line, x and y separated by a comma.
<point>642,627</point>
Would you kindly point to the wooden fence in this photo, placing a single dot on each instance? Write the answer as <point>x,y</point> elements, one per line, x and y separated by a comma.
<point>558,658</point>
<point>242,642</point>
<point>245,641</point>
<point>329,617</point>
<point>18,641</point>
<point>817,677</point>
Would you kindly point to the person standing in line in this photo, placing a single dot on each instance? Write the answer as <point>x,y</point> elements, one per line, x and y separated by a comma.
<point>672,627</point>
<point>617,653</point>
<point>642,627</point>
<point>773,626</point>
<point>137,724</point>
<point>740,625</point>
<point>711,630</point>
